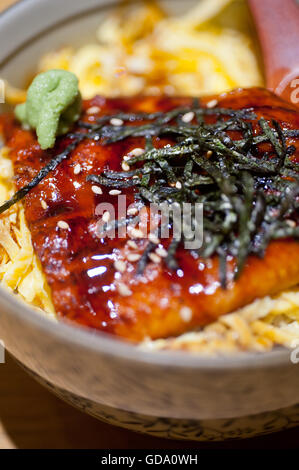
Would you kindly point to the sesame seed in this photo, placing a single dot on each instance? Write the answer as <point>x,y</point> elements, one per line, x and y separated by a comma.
<point>154,258</point>
<point>96,190</point>
<point>161,252</point>
<point>209,153</point>
<point>106,216</point>
<point>178,185</point>
<point>125,166</point>
<point>136,233</point>
<point>124,290</point>
<point>63,225</point>
<point>93,110</point>
<point>153,238</point>
<point>114,192</point>
<point>169,89</point>
<point>120,266</point>
<point>137,152</point>
<point>153,90</point>
<point>186,314</point>
<point>188,117</point>
<point>132,244</point>
<point>116,122</point>
<point>291,223</point>
<point>44,204</point>
<point>133,257</point>
<point>77,169</point>
<point>212,104</point>
<point>132,211</point>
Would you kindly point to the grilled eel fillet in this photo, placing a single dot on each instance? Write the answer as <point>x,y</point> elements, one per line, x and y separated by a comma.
<point>79,266</point>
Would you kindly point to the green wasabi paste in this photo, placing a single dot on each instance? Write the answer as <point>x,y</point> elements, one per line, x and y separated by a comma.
<point>53,104</point>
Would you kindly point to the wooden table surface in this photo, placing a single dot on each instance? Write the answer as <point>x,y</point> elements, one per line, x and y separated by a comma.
<point>31,417</point>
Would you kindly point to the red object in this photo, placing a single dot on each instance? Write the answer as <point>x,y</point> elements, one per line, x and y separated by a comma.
<point>277,23</point>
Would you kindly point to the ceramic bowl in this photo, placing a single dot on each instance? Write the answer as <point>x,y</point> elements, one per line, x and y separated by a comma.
<point>168,394</point>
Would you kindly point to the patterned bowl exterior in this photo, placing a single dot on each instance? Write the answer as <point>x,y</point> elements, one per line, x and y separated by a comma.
<point>182,429</point>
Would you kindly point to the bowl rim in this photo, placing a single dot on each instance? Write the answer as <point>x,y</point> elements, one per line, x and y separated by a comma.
<point>100,342</point>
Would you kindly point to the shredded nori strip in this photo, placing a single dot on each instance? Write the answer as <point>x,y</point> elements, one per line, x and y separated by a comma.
<point>249,199</point>
<point>51,166</point>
